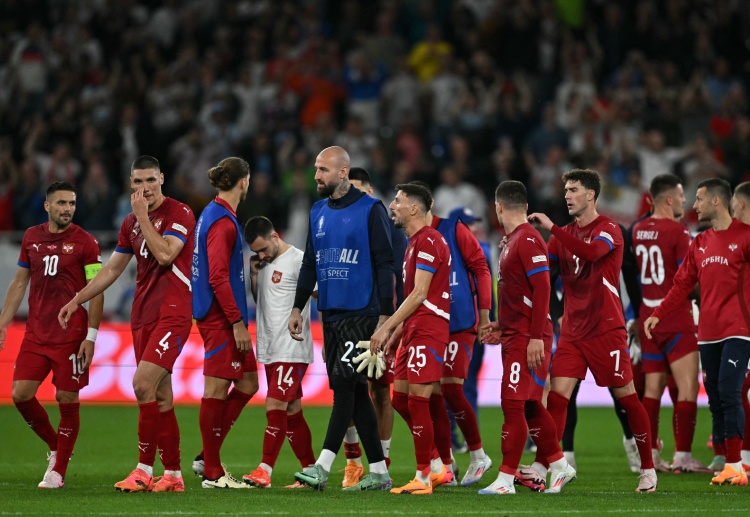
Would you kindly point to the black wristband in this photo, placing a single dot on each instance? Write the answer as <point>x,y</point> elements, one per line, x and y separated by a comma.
<point>386,306</point>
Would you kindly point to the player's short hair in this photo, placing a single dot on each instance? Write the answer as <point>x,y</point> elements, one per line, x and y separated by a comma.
<point>586,177</point>
<point>719,188</point>
<point>425,186</point>
<point>145,162</point>
<point>258,226</point>
<point>417,193</point>
<point>511,194</point>
<point>743,189</point>
<point>57,186</point>
<point>663,183</point>
<point>228,173</point>
<point>361,175</point>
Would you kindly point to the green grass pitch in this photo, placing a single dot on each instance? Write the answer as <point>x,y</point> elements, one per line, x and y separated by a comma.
<point>106,452</point>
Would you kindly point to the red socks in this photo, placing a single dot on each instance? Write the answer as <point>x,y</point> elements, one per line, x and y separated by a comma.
<point>300,438</point>
<point>148,432</point>
<point>169,440</point>
<point>274,436</point>
<point>441,427</point>
<point>542,431</point>
<point>557,405</point>
<point>36,417</point>
<point>652,407</point>
<point>734,449</point>
<point>421,430</point>
<point>70,423</point>
<point>685,414</point>
<point>211,423</point>
<point>639,425</point>
<point>513,435</point>
<point>463,413</point>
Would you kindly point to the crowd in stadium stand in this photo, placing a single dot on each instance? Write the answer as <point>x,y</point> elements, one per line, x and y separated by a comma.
<point>460,94</point>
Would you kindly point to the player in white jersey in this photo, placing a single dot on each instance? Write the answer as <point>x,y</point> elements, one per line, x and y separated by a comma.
<point>273,279</point>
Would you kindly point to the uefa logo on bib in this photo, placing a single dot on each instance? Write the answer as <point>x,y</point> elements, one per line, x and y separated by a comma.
<point>321,222</point>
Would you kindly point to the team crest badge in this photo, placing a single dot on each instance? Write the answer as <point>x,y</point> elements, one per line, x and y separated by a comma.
<point>276,277</point>
<point>158,223</point>
<point>68,247</point>
<point>236,365</point>
<point>732,247</point>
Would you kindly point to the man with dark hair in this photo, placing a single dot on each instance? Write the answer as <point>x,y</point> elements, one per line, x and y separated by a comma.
<point>380,388</point>
<point>350,257</point>
<point>660,244</point>
<point>717,259</point>
<point>592,336</point>
<point>525,329</point>
<point>741,202</point>
<point>58,258</point>
<point>471,301</point>
<point>273,281</point>
<point>159,232</point>
<point>423,320</point>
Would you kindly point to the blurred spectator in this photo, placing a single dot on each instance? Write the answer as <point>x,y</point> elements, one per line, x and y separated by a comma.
<point>428,56</point>
<point>364,81</point>
<point>453,192</point>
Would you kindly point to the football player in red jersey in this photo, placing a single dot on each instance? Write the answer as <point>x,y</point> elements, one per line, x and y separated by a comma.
<point>159,232</point>
<point>58,258</point>
<point>717,260</point>
<point>660,243</point>
<point>592,336</point>
<point>425,314</point>
<point>741,210</point>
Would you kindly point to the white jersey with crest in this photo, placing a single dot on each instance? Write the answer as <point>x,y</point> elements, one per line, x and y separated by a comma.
<point>277,285</point>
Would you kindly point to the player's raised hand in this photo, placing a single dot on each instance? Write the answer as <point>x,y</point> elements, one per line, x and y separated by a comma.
<point>256,264</point>
<point>649,325</point>
<point>139,204</point>
<point>490,334</point>
<point>535,353</point>
<point>295,325</point>
<point>242,337</point>
<point>544,221</point>
<point>66,312</point>
<point>86,351</point>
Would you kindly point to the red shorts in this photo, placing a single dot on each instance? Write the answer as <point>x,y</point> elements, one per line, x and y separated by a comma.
<point>221,358</point>
<point>606,356</point>
<point>34,362</point>
<point>161,341</point>
<point>458,354</point>
<point>665,348</point>
<point>423,360</point>
<point>519,381</point>
<point>285,380</point>
<point>399,368</point>
<point>388,374</point>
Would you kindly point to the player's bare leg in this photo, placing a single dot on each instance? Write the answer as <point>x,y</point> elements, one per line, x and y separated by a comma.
<point>236,400</point>
<point>147,380</point>
<point>452,390</point>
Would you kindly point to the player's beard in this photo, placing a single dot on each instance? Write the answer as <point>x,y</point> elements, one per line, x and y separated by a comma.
<point>62,224</point>
<point>325,191</point>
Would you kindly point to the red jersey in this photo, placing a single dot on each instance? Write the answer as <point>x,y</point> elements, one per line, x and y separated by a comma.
<point>58,264</point>
<point>220,242</point>
<point>427,250</point>
<point>590,259</point>
<point>660,246</point>
<point>523,286</point>
<point>718,261</point>
<point>160,291</point>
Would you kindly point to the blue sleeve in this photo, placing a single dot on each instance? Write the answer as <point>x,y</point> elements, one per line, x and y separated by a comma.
<point>307,274</point>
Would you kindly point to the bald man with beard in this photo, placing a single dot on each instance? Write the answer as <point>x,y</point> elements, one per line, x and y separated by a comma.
<point>350,256</point>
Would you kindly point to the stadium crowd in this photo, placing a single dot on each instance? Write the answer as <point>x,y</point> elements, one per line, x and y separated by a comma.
<point>459,94</point>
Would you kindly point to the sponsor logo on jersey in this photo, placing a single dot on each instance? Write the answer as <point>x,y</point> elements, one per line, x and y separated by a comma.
<point>539,258</point>
<point>68,247</point>
<point>276,277</point>
<point>52,247</point>
<point>36,246</point>
<point>426,256</point>
<point>179,228</point>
